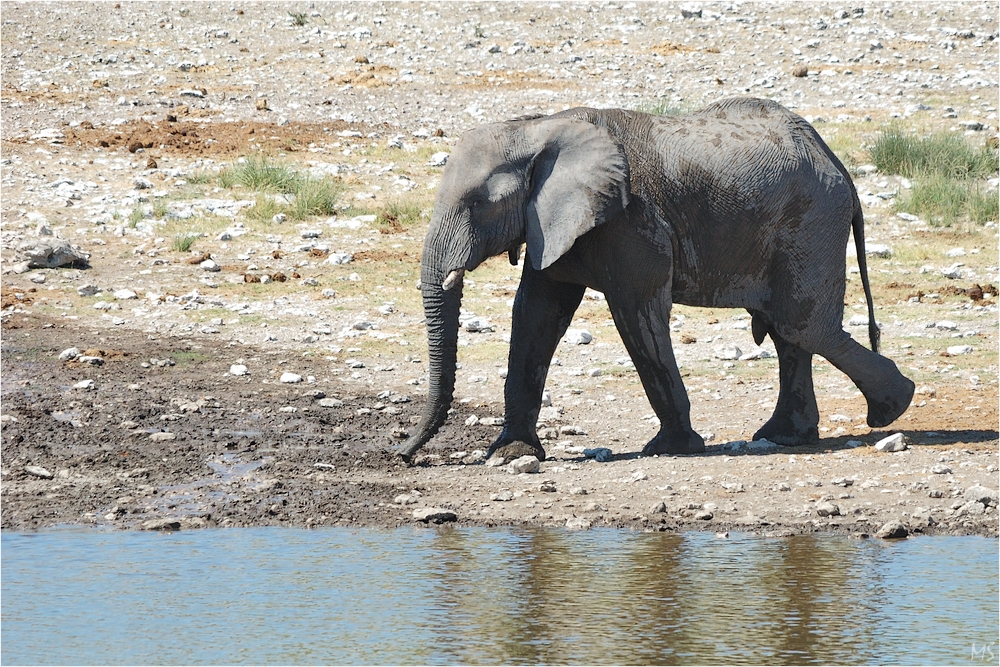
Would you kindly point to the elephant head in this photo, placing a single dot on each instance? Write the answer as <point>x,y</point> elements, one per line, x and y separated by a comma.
<point>545,182</point>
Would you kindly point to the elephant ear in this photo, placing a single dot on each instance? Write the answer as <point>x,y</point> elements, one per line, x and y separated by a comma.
<point>579,179</point>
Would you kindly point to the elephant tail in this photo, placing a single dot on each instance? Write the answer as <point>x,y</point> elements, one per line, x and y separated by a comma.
<point>858,226</point>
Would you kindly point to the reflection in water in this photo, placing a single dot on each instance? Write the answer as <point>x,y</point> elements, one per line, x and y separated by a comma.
<point>479,596</point>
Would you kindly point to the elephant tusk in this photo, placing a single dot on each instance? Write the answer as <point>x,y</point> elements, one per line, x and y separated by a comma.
<point>453,278</point>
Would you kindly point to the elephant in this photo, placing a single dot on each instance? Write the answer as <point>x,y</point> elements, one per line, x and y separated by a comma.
<point>738,205</point>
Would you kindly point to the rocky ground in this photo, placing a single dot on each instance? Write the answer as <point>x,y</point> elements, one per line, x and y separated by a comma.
<point>195,398</point>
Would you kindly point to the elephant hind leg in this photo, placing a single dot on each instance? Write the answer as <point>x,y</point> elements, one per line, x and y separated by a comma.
<point>796,417</point>
<point>887,391</point>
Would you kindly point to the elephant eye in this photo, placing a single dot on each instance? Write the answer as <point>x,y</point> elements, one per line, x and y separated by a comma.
<point>476,203</point>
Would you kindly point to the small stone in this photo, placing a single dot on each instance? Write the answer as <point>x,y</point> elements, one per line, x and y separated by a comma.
<point>523,464</point>
<point>337,258</point>
<point>941,469</point>
<point>703,515</point>
<point>599,454</point>
<point>878,250</point>
<point>439,159</point>
<point>571,430</point>
<point>38,471</point>
<point>502,496</point>
<point>84,384</point>
<point>956,350</point>
<point>578,337</point>
<point>842,481</point>
<point>893,443</point>
<point>238,369</point>
<point>827,509</point>
<point>434,515</point>
<point>290,378</point>
<point>981,494</point>
<point>548,433</point>
<point>728,353</point>
<point>495,461</point>
<point>578,491</point>
<point>800,71</point>
<point>784,486</point>
<point>162,436</point>
<point>88,290</point>
<point>210,265</point>
<point>659,508</point>
<point>69,354</point>
<point>330,403</point>
<point>404,499</point>
<point>160,524</point>
<point>578,523</point>
<point>892,530</point>
<point>639,476</point>
<point>547,486</point>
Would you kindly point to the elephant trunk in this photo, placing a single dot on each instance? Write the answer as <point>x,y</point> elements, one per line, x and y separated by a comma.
<point>441,309</point>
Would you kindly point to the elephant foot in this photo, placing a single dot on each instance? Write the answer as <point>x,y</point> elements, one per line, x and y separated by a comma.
<point>687,442</point>
<point>893,403</point>
<point>788,431</point>
<point>514,450</point>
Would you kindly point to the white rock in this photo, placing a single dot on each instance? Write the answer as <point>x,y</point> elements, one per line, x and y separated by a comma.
<point>477,325</point>
<point>909,217</point>
<point>946,325</point>
<point>955,350</point>
<point>330,403</point>
<point>88,290</point>
<point>434,515</point>
<point>955,252</point>
<point>337,258</point>
<point>878,250</point>
<point>162,436</point>
<point>125,294</point>
<point>893,443</point>
<point>84,384</point>
<point>238,369</point>
<point>827,509</point>
<point>578,523</point>
<point>858,321</point>
<point>728,353</point>
<point>954,271</point>
<point>38,471</point>
<point>69,354</point>
<point>524,464</point>
<point>290,378</point>
<point>210,265</point>
<point>438,160</point>
<point>578,337</point>
<point>981,494</point>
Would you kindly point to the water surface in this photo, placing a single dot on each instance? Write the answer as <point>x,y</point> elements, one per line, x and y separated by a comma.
<point>482,596</point>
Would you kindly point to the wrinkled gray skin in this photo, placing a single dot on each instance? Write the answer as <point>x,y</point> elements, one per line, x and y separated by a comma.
<point>740,205</point>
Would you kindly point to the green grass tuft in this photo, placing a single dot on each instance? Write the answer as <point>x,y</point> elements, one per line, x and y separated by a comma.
<point>182,242</point>
<point>943,201</point>
<point>135,217</point>
<point>944,154</point>
<point>299,18</point>
<point>314,196</point>
<point>257,172</point>
<point>397,216</point>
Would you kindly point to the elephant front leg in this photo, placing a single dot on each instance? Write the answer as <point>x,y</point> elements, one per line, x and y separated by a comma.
<point>796,417</point>
<point>543,310</point>
<point>645,330</point>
